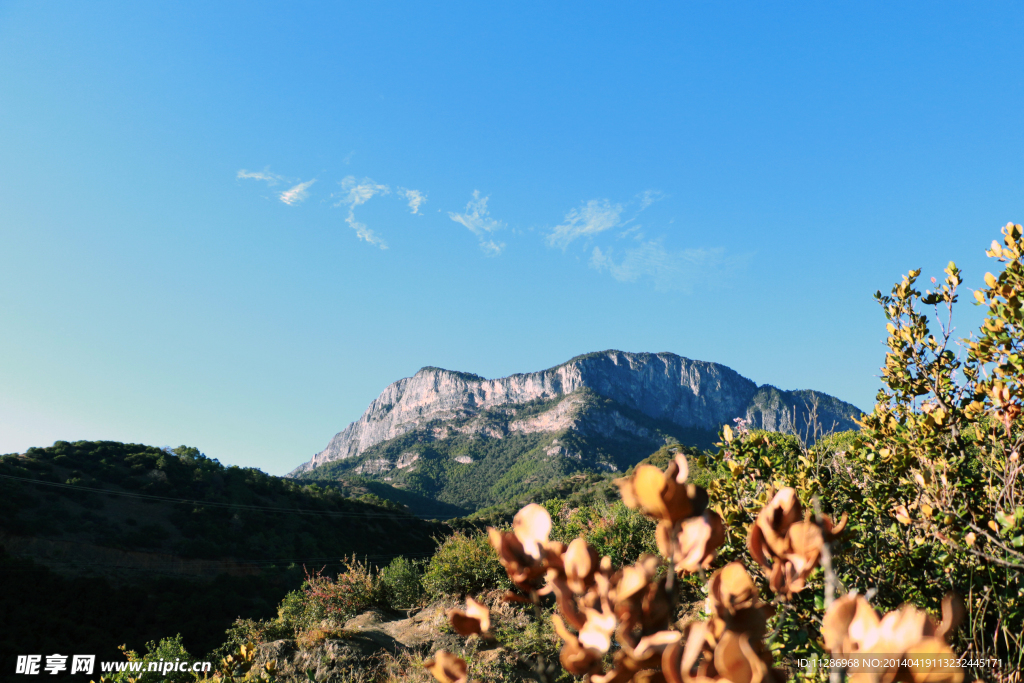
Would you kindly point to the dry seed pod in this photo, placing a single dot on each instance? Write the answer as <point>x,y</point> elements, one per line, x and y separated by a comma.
<point>731,589</point>
<point>580,563</point>
<point>696,542</point>
<point>531,526</point>
<point>475,620</point>
<point>575,657</point>
<point>906,636</point>
<point>848,624</point>
<point>447,668</point>
<point>773,522</point>
<point>786,547</point>
<point>526,553</point>
<point>663,495</point>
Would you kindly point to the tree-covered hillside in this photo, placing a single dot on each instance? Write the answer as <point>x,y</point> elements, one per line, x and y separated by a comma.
<point>107,543</point>
<point>179,502</point>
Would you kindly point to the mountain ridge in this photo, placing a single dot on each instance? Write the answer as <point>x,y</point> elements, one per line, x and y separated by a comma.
<point>690,394</point>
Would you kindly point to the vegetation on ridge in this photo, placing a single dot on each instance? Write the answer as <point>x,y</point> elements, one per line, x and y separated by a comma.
<point>117,528</point>
<point>477,461</point>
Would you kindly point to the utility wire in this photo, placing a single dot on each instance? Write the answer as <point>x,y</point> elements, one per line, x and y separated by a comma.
<point>206,503</point>
<point>329,562</point>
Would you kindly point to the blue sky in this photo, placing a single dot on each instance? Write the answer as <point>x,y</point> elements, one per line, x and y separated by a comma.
<point>231,226</point>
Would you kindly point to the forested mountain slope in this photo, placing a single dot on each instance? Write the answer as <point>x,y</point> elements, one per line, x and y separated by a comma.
<point>104,543</point>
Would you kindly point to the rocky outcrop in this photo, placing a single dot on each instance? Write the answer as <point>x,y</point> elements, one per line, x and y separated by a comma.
<point>349,649</point>
<point>664,386</point>
<point>381,645</point>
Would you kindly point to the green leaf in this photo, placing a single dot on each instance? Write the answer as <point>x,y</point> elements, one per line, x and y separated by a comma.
<point>1005,520</point>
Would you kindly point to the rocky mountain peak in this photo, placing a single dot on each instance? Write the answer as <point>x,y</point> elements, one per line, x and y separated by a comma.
<point>687,393</point>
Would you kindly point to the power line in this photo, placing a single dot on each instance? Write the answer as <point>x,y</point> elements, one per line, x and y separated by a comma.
<point>240,564</point>
<point>205,503</point>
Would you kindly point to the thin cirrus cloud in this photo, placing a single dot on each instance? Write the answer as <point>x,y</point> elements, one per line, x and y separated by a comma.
<point>293,195</point>
<point>297,193</point>
<point>668,270</point>
<point>592,218</point>
<point>478,220</point>
<point>648,197</point>
<point>353,193</point>
<point>648,259</point>
<point>356,193</point>
<point>264,175</point>
<point>415,198</point>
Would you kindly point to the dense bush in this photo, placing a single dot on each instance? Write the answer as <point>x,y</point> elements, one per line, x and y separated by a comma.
<point>933,483</point>
<point>611,528</point>
<point>463,564</point>
<point>245,631</point>
<point>167,650</point>
<point>939,458</point>
<point>339,598</point>
<point>295,612</point>
<point>398,584</point>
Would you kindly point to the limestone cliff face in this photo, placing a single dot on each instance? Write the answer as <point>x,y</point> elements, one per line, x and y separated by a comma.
<point>664,386</point>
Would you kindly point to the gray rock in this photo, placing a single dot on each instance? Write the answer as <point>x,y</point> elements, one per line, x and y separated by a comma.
<point>358,646</point>
<point>663,386</point>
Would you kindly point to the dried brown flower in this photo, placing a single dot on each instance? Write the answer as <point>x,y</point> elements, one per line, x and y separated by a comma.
<point>526,553</point>
<point>786,547</point>
<point>696,541</point>
<point>663,495</point>
<point>908,636</point>
<point>475,620</point>
<point>447,668</point>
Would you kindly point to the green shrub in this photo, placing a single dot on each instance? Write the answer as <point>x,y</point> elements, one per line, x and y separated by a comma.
<point>167,650</point>
<point>463,564</point>
<point>340,598</point>
<point>398,584</point>
<point>256,631</point>
<point>612,530</point>
<point>623,534</point>
<point>295,612</point>
<point>521,633</point>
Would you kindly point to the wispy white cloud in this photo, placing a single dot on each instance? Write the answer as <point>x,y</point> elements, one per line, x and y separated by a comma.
<point>478,220</point>
<point>492,248</point>
<point>593,217</point>
<point>648,197</point>
<point>296,194</point>
<point>264,175</point>
<point>598,215</point>
<point>636,231</point>
<point>669,270</point>
<point>356,193</point>
<point>415,198</point>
